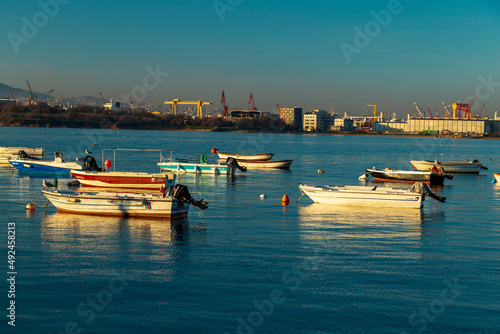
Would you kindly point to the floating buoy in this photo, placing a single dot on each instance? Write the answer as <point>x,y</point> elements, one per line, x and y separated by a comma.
<point>94,144</point>
<point>214,150</point>
<point>30,207</point>
<point>263,196</point>
<point>107,163</point>
<point>285,200</point>
<point>363,177</point>
<point>320,171</point>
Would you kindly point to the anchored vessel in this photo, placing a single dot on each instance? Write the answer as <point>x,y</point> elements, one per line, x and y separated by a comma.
<point>171,203</point>
<point>370,196</point>
<point>450,166</point>
<point>57,167</point>
<point>390,175</point>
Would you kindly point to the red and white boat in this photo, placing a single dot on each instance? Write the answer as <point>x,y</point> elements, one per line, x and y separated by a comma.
<point>125,180</point>
<point>260,157</point>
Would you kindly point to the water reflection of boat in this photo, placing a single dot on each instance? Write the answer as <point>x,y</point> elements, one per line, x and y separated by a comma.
<point>358,215</point>
<point>62,225</point>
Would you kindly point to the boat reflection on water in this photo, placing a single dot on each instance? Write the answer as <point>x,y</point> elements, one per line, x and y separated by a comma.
<point>365,230</point>
<point>110,231</point>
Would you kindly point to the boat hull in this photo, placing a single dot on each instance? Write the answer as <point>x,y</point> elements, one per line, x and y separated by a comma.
<point>364,196</point>
<point>406,176</point>
<point>255,164</point>
<point>472,167</point>
<point>496,176</point>
<point>198,168</point>
<point>14,150</point>
<point>124,180</point>
<point>44,167</point>
<point>108,204</point>
<point>263,156</point>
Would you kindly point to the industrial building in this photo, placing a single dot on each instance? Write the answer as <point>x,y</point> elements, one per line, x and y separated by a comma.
<point>474,126</point>
<point>292,116</point>
<point>318,120</point>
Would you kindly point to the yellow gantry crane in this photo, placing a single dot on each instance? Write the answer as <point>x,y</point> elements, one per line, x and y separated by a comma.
<point>199,104</point>
<point>374,111</point>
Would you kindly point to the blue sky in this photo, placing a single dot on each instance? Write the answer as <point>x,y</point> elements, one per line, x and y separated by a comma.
<point>285,52</point>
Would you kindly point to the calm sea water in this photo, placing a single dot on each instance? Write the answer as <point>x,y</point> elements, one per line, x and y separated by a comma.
<point>251,265</point>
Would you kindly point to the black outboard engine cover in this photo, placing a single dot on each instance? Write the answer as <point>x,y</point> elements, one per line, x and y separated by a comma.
<point>23,155</point>
<point>234,163</point>
<point>90,164</point>
<point>181,193</point>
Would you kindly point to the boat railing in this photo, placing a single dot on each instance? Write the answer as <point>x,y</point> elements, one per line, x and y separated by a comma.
<point>162,159</point>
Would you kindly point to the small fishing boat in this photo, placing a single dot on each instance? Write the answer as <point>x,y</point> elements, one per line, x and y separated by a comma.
<point>408,176</point>
<point>123,180</point>
<point>12,152</point>
<point>450,166</point>
<point>260,157</point>
<point>200,166</point>
<point>172,203</point>
<point>496,176</point>
<point>258,164</point>
<point>57,167</point>
<point>369,196</point>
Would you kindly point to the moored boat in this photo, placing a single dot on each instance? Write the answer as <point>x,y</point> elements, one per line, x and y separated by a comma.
<point>257,164</point>
<point>451,166</point>
<point>390,175</point>
<point>496,176</point>
<point>363,196</point>
<point>14,150</point>
<point>173,204</point>
<point>123,180</point>
<point>57,167</point>
<point>200,166</point>
<point>260,157</point>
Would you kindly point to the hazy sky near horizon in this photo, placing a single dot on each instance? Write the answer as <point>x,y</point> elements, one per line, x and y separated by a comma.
<point>319,54</point>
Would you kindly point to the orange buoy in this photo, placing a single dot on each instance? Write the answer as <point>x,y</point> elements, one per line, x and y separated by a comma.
<point>285,200</point>
<point>30,207</point>
<point>214,150</point>
<point>107,163</point>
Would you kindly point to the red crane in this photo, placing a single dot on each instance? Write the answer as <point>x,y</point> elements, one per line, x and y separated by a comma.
<point>224,106</point>
<point>430,113</point>
<point>252,103</point>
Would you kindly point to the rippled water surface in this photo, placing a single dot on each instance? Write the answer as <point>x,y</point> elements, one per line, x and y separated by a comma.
<point>251,265</point>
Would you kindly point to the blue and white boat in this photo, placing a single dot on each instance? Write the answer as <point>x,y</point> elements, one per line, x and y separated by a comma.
<point>57,167</point>
<point>199,166</point>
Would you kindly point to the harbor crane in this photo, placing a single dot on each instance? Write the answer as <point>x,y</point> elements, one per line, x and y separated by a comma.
<point>480,111</point>
<point>252,103</point>
<point>199,104</point>
<point>11,96</point>
<point>447,112</point>
<point>47,94</point>
<point>31,99</point>
<point>225,108</point>
<point>102,99</point>
<point>419,110</point>
<point>374,111</point>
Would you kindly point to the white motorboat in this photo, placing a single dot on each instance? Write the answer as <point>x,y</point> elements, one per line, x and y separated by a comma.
<point>172,203</point>
<point>368,195</point>
<point>260,157</point>
<point>57,167</point>
<point>12,152</point>
<point>258,164</point>
<point>451,166</point>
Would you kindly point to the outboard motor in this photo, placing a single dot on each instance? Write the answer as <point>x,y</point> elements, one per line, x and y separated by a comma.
<point>23,155</point>
<point>422,188</point>
<point>181,193</point>
<point>234,163</point>
<point>90,164</point>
